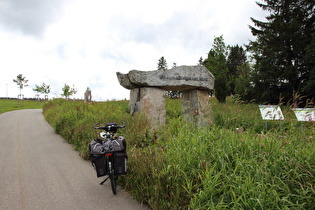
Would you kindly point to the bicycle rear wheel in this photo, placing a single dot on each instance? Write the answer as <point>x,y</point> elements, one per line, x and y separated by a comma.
<point>113,183</point>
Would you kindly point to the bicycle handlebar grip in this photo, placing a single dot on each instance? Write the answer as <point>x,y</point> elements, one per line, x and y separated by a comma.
<point>96,126</point>
<point>123,125</point>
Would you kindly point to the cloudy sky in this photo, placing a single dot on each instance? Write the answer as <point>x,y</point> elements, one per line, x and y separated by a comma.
<point>84,43</point>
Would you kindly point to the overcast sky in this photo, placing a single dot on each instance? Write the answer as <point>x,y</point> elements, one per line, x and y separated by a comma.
<point>84,43</point>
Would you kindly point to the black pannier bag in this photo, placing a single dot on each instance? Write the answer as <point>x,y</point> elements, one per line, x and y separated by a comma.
<point>99,163</point>
<point>97,157</point>
<point>115,145</point>
<point>121,157</point>
<point>96,147</point>
<point>120,162</point>
<point>118,144</point>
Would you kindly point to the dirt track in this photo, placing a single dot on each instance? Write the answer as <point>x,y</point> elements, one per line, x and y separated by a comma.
<point>39,170</point>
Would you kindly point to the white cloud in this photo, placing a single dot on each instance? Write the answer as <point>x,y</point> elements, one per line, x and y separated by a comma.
<point>86,42</point>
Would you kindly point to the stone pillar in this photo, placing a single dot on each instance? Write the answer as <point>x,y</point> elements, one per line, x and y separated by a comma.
<point>150,101</point>
<point>87,96</point>
<point>134,102</point>
<point>196,107</point>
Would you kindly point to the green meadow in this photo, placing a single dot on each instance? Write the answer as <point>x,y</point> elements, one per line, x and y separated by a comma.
<point>241,162</point>
<point>11,105</point>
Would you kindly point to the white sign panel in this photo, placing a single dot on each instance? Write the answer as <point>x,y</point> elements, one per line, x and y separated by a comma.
<point>304,114</point>
<point>271,112</point>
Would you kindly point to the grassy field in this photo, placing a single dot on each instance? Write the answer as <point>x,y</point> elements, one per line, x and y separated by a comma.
<point>11,105</point>
<point>238,163</point>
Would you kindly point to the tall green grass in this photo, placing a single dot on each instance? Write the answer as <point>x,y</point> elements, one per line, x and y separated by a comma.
<point>238,163</point>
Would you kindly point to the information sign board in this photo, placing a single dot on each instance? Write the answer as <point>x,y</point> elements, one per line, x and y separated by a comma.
<point>304,114</point>
<point>271,112</point>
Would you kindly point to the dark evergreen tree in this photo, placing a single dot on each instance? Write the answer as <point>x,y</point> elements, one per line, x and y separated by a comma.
<point>243,84</point>
<point>200,61</point>
<point>174,65</point>
<point>236,59</point>
<point>216,64</point>
<point>162,65</point>
<point>309,85</point>
<point>281,49</point>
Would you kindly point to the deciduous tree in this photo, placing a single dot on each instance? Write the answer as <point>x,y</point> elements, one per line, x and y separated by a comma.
<point>68,91</point>
<point>21,82</point>
<point>45,89</point>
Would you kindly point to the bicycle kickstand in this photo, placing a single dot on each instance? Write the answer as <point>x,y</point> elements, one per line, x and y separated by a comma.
<point>104,181</point>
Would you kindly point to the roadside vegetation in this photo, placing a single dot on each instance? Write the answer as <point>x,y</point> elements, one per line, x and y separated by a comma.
<point>11,105</point>
<point>241,162</point>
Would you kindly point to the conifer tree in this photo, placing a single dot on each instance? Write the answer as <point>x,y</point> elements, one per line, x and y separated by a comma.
<point>236,59</point>
<point>216,64</point>
<point>162,65</point>
<point>280,49</point>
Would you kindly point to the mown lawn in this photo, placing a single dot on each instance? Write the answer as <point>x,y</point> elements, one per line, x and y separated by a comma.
<point>11,105</point>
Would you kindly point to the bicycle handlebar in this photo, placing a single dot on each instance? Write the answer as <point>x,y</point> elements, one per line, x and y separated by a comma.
<point>109,126</point>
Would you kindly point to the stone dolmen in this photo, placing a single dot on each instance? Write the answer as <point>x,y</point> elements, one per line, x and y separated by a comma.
<point>147,92</point>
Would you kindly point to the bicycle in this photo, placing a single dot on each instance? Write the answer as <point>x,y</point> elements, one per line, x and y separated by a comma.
<point>109,155</point>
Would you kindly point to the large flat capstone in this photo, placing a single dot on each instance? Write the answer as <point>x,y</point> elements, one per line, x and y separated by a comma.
<point>178,78</point>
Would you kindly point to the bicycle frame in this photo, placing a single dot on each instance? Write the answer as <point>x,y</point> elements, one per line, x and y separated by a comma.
<point>110,162</point>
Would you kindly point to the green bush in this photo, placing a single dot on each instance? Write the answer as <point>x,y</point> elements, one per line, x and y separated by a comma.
<point>237,163</point>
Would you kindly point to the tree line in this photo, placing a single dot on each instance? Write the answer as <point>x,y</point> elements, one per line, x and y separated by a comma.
<point>279,66</point>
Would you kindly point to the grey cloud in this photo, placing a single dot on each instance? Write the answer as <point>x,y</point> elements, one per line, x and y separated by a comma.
<point>182,28</point>
<point>185,29</point>
<point>133,29</point>
<point>30,17</point>
<point>121,56</point>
